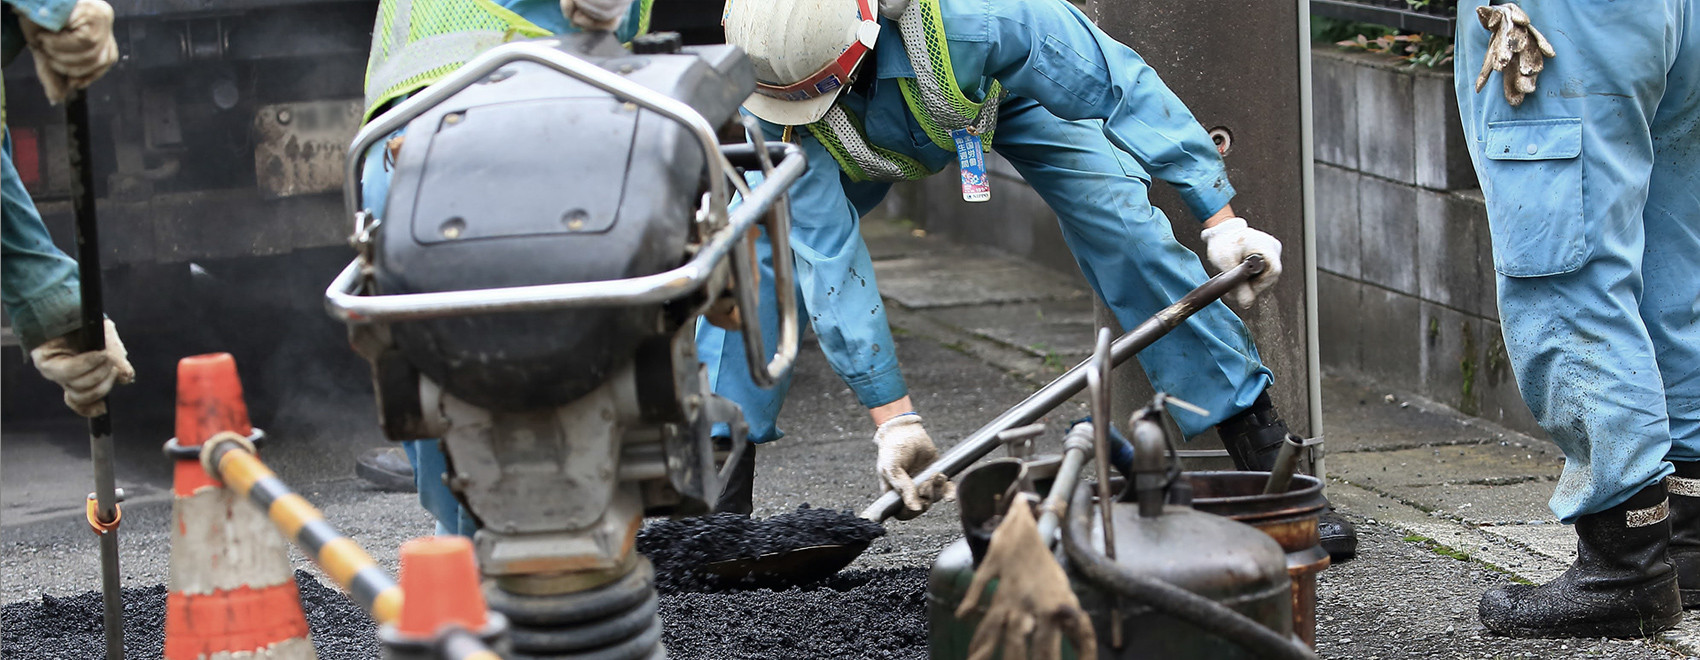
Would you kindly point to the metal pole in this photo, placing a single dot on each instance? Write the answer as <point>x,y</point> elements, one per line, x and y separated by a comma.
<point>93,338</point>
<point>983,441</point>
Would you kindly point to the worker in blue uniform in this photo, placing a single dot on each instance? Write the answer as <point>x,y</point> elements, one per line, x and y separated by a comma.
<point>1588,152</point>
<point>926,83</point>
<point>401,65</point>
<point>72,45</point>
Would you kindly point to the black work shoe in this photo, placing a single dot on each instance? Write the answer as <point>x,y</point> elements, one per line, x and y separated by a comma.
<point>737,495</point>
<point>1339,537</point>
<point>1253,439</point>
<point>1621,585</point>
<point>1684,487</point>
<point>387,468</point>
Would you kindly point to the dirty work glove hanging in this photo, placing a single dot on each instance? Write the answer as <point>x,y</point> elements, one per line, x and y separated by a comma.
<point>1517,50</point>
<point>1033,605</point>
<point>595,14</point>
<point>86,376</point>
<point>72,57</point>
<point>1229,243</point>
<point>905,449</point>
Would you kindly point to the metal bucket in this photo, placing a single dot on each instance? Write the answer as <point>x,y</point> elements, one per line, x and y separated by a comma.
<point>1289,518</point>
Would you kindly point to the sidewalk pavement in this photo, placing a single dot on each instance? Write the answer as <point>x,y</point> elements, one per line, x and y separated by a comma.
<point>1410,472</point>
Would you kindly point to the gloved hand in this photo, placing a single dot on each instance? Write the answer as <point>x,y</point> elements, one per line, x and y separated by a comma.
<point>1229,243</point>
<point>74,56</point>
<point>86,376</point>
<point>595,14</point>
<point>906,449</point>
<point>1514,41</point>
<point>1033,606</point>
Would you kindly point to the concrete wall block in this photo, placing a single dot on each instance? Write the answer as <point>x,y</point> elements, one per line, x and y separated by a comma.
<point>1451,234</point>
<point>1388,229</point>
<point>1442,155</point>
<point>1386,124</point>
<point>1337,234</point>
<point>1340,336</point>
<point>1452,356</point>
<point>1484,301</point>
<point>1334,108</point>
<point>1502,402</point>
<point>1391,326</point>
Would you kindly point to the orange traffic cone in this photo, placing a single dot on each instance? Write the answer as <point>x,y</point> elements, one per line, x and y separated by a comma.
<point>439,577</point>
<point>232,590</point>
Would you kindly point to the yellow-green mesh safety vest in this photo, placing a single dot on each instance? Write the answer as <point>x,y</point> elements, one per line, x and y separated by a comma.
<point>417,42</point>
<point>932,96</point>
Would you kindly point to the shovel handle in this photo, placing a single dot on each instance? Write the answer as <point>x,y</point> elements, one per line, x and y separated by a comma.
<point>983,441</point>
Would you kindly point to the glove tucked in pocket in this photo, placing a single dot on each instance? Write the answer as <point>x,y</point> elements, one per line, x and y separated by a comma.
<point>1534,196</point>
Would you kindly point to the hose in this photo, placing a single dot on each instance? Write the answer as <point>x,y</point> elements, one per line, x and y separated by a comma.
<point>1167,598</point>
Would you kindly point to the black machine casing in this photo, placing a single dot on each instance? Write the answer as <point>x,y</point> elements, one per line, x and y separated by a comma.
<point>531,177</point>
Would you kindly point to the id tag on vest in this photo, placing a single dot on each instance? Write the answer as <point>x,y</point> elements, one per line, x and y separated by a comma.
<point>971,159</point>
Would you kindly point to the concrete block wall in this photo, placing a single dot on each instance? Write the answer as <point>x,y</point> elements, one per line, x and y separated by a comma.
<point>1404,263</point>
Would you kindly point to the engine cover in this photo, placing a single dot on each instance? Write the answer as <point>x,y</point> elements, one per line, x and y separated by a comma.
<point>533,177</point>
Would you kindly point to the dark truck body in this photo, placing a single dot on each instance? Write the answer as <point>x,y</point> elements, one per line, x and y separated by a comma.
<point>219,146</point>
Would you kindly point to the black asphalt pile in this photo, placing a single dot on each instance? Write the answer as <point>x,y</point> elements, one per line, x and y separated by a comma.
<point>864,614</point>
<point>680,548</point>
<point>72,628</point>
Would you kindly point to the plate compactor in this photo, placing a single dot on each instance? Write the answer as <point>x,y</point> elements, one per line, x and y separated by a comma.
<point>558,218</point>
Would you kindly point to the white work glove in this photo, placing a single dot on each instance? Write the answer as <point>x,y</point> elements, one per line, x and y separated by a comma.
<point>1517,50</point>
<point>74,56</point>
<point>905,449</point>
<point>86,376</point>
<point>595,14</point>
<point>1033,606</point>
<point>1229,243</point>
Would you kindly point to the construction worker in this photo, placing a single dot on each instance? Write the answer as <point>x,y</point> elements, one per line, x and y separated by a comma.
<point>72,45</point>
<point>1590,181</point>
<point>898,95</point>
<point>416,43</point>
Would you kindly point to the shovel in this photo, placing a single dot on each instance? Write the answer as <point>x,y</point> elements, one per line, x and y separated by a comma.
<point>812,563</point>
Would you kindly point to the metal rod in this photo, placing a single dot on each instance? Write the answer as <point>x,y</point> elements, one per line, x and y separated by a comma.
<point>1098,384</point>
<point>1281,474</point>
<point>1077,449</point>
<point>93,338</point>
<point>984,440</point>
<point>342,302</point>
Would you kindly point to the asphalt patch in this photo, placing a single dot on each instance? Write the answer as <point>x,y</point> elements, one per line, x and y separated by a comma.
<point>680,548</point>
<point>857,615</point>
<point>73,628</point>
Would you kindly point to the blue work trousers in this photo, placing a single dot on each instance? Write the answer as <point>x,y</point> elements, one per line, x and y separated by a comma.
<point>1125,247</point>
<point>1593,194</point>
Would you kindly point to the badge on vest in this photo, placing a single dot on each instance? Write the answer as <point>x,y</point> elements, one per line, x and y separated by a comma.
<point>971,160</point>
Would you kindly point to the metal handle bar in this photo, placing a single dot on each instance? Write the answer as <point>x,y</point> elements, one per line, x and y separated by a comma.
<point>746,269</point>
<point>983,441</point>
<point>546,53</point>
<point>343,301</point>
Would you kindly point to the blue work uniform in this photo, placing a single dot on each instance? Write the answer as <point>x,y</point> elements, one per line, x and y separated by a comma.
<point>1088,124</point>
<point>429,463</point>
<point>1593,195</point>
<point>38,282</point>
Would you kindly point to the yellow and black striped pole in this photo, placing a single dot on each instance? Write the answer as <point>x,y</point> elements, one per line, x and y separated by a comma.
<point>230,458</point>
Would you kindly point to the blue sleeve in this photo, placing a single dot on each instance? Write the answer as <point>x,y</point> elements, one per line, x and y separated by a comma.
<point>50,14</point>
<point>38,283</point>
<point>1046,50</point>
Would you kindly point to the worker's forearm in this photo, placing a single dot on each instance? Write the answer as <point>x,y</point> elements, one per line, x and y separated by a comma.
<point>881,414</point>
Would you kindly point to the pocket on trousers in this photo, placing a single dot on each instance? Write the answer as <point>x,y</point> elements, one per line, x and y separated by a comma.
<point>1534,196</point>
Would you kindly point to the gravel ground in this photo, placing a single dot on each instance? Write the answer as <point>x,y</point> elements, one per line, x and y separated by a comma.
<point>1402,600</point>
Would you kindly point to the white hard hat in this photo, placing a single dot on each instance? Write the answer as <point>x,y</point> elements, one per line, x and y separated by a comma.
<point>803,51</point>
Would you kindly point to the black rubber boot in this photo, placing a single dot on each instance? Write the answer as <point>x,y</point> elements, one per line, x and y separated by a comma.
<point>1684,487</point>
<point>1253,439</point>
<point>1622,584</point>
<point>738,494</point>
<point>386,468</point>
